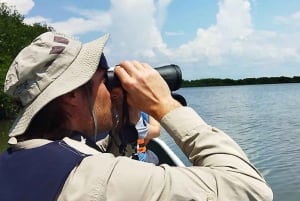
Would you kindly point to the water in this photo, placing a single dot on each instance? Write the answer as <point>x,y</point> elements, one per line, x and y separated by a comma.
<point>263,119</point>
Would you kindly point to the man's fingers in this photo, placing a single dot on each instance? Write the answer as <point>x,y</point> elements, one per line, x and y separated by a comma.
<point>130,67</point>
<point>122,73</point>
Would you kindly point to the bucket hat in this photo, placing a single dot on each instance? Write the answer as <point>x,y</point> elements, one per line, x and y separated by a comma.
<point>52,65</point>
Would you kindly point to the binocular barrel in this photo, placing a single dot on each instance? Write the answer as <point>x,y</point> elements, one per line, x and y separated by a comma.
<point>170,73</point>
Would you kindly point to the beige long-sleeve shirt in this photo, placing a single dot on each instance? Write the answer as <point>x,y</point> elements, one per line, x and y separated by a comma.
<point>221,170</point>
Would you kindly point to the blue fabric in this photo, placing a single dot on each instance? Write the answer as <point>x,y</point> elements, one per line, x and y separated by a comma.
<point>142,156</point>
<point>36,174</point>
<point>145,117</point>
<point>148,156</point>
<point>151,157</point>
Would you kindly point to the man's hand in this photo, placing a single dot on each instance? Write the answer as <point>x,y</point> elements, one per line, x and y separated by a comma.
<point>146,89</point>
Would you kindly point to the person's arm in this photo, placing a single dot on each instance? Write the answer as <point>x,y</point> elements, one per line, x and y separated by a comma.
<point>154,129</point>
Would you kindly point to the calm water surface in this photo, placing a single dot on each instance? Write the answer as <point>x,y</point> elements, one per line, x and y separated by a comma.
<point>263,119</point>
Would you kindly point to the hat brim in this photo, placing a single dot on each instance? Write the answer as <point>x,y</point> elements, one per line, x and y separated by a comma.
<point>78,73</point>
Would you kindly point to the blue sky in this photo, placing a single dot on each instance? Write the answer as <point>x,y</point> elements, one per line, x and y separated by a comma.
<point>206,38</point>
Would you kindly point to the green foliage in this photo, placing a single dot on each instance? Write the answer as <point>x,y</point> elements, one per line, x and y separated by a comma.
<point>14,36</point>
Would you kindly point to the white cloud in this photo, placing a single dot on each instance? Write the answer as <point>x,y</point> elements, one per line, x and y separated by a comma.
<point>161,11</point>
<point>173,33</point>
<point>291,20</point>
<point>213,44</point>
<point>82,25</point>
<point>37,19</point>
<point>89,20</point>
<point>134,30</point>
<point>23,6</point>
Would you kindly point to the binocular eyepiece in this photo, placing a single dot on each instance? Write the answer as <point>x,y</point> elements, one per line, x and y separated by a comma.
<point>170,73</point>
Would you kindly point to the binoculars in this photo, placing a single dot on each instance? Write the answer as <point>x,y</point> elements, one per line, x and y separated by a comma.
<point>170,73</point>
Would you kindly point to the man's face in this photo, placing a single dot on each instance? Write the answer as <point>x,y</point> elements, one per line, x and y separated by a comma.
<point>117,96</point>
<point>101,101</point>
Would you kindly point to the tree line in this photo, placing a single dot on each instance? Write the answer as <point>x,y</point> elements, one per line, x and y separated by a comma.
<point>247,81</point>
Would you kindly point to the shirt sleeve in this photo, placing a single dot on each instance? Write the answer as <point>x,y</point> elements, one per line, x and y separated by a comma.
<point>220,171</point>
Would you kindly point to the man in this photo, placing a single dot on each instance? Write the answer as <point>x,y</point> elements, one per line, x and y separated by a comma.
<point>61,85</point>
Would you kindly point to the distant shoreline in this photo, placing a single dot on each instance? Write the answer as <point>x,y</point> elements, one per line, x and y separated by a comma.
<point>247,81</point>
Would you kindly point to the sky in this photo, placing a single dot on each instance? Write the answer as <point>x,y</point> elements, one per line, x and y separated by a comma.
<point>233,39</point>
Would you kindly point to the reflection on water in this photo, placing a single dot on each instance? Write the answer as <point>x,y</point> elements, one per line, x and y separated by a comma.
<point>264,120</point>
